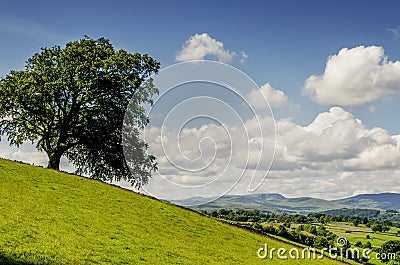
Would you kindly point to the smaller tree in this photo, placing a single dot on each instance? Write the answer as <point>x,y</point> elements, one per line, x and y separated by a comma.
<point>376,227</point>
<point>367,245</point>
<point>358,244</point>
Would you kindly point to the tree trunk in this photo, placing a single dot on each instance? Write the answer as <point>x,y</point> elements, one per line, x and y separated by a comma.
<point>54,160</point>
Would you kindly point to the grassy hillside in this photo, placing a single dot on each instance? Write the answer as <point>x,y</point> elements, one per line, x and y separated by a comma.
<point>48,217</point>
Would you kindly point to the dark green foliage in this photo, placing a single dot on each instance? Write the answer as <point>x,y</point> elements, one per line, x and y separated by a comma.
<point>287,224</point>
<point>281,231</point>
<point>392,246</point>
<point>269,229</point>
<point>312,229</point>
<point>300,228</point>
<point>321,242</point>
<point>358,244</point>
<point>257,226</point>
<point>353,213</point>
<point>240,215</point>
<point>377,227</point>
<point>367,245</point>
<point>71,101</point>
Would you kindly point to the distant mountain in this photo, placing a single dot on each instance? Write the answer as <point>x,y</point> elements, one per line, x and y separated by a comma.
<point>385,201</point>
<point>278,203</point>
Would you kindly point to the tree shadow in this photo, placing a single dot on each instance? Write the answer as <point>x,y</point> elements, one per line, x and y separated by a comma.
<point>9,260</point>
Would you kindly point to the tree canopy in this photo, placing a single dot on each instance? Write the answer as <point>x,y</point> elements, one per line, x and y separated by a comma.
<point>72,101</point>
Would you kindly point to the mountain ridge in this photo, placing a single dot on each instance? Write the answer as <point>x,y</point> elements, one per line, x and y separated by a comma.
<point>278,203</point>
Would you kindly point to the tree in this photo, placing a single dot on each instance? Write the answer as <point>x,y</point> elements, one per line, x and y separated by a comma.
<point>321,242</point>
<point>281,231</point>
<point>377,228</point>
<point>257,226</point>
<point>72,102</point>
<point>392,246</point>
<point>367,245</point>
<point>358,244</point>
<point>311,229</point>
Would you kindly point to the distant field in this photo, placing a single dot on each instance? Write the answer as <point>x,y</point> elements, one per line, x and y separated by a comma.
<point>360,233</point>
<point>353,234</point>
<point>48,217</point>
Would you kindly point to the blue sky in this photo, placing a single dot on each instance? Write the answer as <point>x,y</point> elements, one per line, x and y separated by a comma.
<point>286,42</point>
<point>286,39</point>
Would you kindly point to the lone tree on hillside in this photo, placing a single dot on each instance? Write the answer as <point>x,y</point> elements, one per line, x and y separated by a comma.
<point>71,101</point>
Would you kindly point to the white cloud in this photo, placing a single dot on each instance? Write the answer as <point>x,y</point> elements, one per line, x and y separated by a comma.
<point>201,45</point>
<point>331,157</point>
<point>244,57</point>
<point>258,97</point>
<point>354,77</point>
<point>376,157</point>
<point>333,135</point>
<point>395,31</point>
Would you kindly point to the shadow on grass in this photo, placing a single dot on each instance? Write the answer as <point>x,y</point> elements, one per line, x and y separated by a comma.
<point>7,260</point>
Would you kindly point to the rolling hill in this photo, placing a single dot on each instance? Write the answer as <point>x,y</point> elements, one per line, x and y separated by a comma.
<point>385,201</point>
<point>277,203</point>
<point>50,217</point>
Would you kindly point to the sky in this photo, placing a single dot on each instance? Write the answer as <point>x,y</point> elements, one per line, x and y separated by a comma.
<point>308,89</point>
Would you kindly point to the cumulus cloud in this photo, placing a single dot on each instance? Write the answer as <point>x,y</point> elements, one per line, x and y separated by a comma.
<point>258,97</point>
<point>319,159</point>
<point>354,77</point>
<point>201,45</point>
<point>334,135</point>
<point>376,157</point>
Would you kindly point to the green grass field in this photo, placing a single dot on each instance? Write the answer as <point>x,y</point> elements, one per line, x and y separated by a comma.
<point>360,233</point>
<point>49,217</point>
